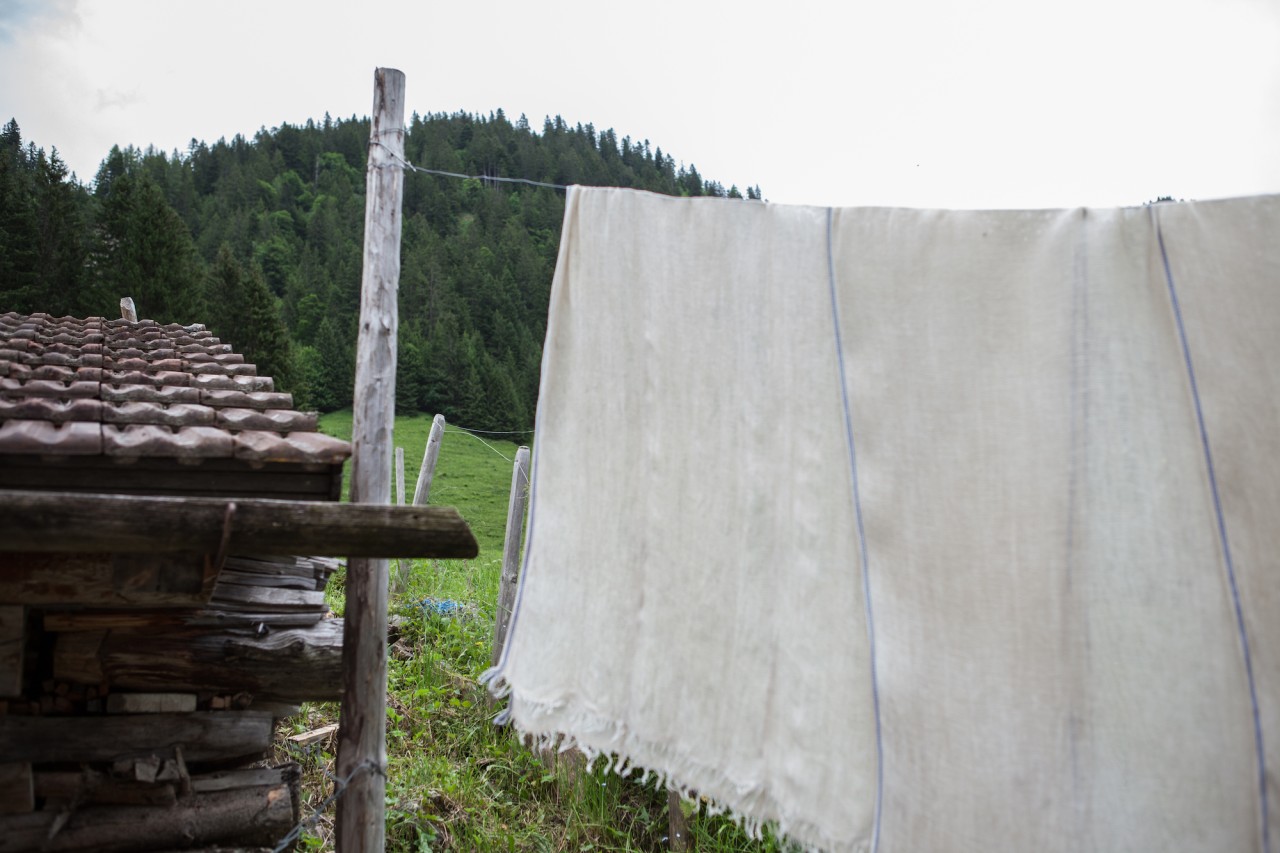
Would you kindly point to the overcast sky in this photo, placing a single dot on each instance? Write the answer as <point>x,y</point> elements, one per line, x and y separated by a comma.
<point>922,103</point>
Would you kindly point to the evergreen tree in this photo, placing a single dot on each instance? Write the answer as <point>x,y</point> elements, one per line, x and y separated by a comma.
<point>277,222</point>
<point>143,249</point>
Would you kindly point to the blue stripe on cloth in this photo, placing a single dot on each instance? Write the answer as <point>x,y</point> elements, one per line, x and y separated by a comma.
<point>862,537</point>
<point>1222,535</point>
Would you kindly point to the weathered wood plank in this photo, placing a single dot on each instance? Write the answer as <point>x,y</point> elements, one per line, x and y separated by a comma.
<point>315,735</point>
<point>212,478</point>
<point>203,736</point>
<point>292,664</point>
<point>13,629</point>
<point>105,580</point>
<point>362,739</point>
<point>236,577</point>
<point>17,790</point>
<point>278,567</point>
<point>94,787</point>
<point>166,620</point>
<point>151,703</point>
<point>245,817</point>
<point>268,597</point>
<point>76,656</point>
<point>255,777</point>
<point>63,521</point>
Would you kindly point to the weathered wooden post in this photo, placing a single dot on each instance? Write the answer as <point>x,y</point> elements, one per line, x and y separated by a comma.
<point>362,749</point>
<point>511,551</point>
<point>403,567</point>
<point>677,824</point>
<point>423,490</point>
<point>399,476</point>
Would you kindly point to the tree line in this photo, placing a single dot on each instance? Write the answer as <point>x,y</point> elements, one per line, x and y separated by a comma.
<point>261,240</point>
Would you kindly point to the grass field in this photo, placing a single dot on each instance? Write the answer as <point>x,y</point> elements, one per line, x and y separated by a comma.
<point>455,781</point>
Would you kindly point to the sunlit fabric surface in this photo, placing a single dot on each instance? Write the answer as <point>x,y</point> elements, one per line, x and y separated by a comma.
<point>916,530</point>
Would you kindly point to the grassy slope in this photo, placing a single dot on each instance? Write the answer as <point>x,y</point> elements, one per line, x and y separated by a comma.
<point>456,782</point>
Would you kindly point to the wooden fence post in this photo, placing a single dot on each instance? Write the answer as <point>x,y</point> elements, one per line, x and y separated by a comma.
<point>677,824</point>
<point>403,567</point>
<point>423,490</point>
<point>511,551</point>
<point>400,476</point>
<point>362,748</point>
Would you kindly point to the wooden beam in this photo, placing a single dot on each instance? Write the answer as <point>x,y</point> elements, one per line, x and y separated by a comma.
<point>13,630</point>
<point>89,786</point>
<point>362,751</point>
<point>17,791</point>
<point>122,524</point>
<point>240,818</point>
<point>203,736</point>
<point>510,579</point>
<point>105,580</point>
<point>151,703</point>
<point>294,664</point>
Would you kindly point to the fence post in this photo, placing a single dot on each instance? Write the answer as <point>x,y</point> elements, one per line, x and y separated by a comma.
<point>403,566</point>
<point>511,551</point>
<point>677,824</point>
<point>400,476</point>
<point>423,490</point>
<point>362,748</point>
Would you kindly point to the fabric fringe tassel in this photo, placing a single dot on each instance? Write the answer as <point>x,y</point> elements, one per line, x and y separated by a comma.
<point>626,754</point>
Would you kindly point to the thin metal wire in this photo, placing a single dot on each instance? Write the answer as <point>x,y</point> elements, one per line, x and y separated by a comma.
<point>497,432</point>
<point>339,788</point>
<point>406,164</point>
<point>452,428</point>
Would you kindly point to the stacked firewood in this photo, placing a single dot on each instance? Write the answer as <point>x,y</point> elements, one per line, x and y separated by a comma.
<point>146,728</point>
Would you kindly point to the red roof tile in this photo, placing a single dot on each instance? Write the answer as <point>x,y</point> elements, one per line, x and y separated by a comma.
<point>112,387</point>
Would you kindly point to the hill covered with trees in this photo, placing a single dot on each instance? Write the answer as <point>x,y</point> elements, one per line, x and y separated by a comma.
<point>261,240</point>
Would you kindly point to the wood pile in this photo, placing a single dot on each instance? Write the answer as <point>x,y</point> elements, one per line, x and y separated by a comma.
<point>153,623</point>
<point>142,728</point>
<point>139,691</point>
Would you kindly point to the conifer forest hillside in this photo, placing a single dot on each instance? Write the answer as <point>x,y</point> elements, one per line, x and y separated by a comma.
<point>261,240</point>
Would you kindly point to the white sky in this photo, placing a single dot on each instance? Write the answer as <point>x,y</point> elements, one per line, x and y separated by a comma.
<point>922,103</point>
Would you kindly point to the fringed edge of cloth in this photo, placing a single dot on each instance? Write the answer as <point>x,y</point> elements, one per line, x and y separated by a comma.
<point>546,726</point>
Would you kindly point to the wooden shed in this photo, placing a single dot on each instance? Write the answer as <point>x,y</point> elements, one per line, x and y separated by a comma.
<point>154,621</point>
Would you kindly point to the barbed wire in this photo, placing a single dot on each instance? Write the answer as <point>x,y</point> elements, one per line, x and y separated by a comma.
<point>339,788</point>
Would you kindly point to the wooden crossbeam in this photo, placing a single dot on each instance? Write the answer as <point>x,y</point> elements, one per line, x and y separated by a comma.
<point>50,522</point>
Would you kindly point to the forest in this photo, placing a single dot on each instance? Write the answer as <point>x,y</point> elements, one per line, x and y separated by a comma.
<point>261,240</point>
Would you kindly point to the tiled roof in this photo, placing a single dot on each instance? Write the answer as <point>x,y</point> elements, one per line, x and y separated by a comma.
<point>90,387</point>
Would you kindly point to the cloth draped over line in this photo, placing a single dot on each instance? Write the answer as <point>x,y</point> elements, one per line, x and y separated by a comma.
<point>912,529</point>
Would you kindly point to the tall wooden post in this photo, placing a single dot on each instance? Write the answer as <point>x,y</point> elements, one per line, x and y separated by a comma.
<point>511,551</point>
<point>403,567</point>
<point>423,490</point>
<point>362,748</point>
<point>400,476</point>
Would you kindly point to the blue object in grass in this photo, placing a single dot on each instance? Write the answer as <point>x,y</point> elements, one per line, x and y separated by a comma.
<point>442,606</point>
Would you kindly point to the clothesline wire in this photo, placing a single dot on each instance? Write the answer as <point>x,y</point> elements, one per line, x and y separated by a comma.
<point>446,174</point>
